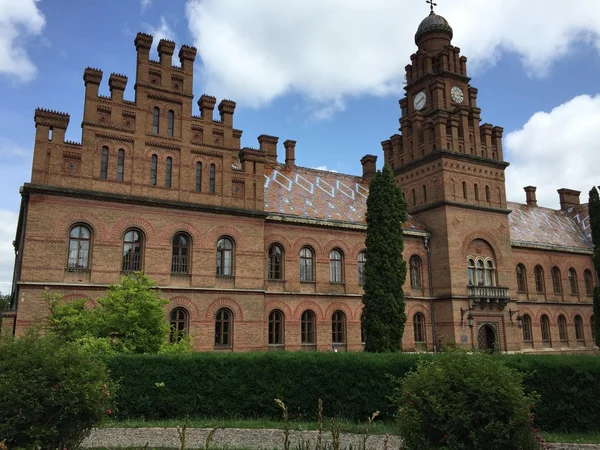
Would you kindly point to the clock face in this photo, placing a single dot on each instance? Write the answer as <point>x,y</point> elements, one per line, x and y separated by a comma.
<point>457,94</point>
<point>420,100</point>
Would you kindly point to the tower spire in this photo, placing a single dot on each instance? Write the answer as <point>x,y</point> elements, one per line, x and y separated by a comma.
<point>431,4</point>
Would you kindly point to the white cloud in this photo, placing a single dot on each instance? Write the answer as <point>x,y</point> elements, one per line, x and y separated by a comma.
<point>556,149</point>
<point>330,49</point>
<point>145,4</point>
<point>8,227</point>
<point>163,31</point>
<point>325,169</point>
<point>18,20</point>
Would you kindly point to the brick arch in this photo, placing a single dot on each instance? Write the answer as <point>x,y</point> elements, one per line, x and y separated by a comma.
<point>118,229</point>
<point>162,155</point>
<point>216,232</point>
<point>224,302</point>
<point>308,304</point>
<point>199,158</point>
<point>543,311</point>
<point>358,311</point>
<point>64,224</point>
<point>278,239</point>
<point>112,150</point>
<point>560,311</point>
<point>336,243</point>
<point>339,306</point>
<point>90,303</point>
<point>577,312</point>
<point>361,246</point>
<point>167,234</point>
<point>490,239</point>
<point>418,309</point>
<point>276,304</point>
<point>308,242</point>
<point>528,311</point>
<point>187,304</point>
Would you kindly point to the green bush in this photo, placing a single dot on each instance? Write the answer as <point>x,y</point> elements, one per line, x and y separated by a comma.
<point>465,401</point>
<point>51,393</point>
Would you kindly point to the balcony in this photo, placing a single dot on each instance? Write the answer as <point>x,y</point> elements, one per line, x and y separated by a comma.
<point>488,295</point>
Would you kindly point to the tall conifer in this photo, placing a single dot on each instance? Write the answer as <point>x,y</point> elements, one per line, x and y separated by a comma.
<point>384,313</point>
<point>594,210</point>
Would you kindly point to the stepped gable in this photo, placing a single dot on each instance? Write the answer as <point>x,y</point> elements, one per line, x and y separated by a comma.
<point>548,227</point>
<point>319,194</point>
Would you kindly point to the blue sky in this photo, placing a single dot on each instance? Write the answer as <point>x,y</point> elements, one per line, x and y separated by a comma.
<point>327,73</point>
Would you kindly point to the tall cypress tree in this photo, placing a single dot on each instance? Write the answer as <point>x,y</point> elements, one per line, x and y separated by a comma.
<point>594,210</point>
<point>384,313</point>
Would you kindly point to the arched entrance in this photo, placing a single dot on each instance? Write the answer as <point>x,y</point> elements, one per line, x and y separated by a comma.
<point>487,338</point>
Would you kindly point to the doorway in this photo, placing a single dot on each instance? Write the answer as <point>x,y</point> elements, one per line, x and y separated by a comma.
<point>487,338</point>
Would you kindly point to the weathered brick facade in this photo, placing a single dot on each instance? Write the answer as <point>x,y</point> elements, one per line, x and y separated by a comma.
<point>153,167</point>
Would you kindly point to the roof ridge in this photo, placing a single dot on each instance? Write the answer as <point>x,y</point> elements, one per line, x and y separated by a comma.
<point>310,169</point>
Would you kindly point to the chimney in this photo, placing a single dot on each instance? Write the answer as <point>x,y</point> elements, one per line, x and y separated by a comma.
<point>207,106</point>
<point>268,144</point>
<point>369,166</point>
<point>568,198</point>
<point>165,52</point>
<point>530,195</point>
<point>290,153</point>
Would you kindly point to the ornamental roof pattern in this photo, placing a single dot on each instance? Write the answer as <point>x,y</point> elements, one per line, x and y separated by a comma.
<point>318,194</point>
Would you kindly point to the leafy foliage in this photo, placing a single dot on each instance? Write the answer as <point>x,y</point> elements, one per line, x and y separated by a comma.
<point>52,394</point>
<point>384,313</point>
<point>594,210</point>
<point>465,401</point>
<point>4,302</point>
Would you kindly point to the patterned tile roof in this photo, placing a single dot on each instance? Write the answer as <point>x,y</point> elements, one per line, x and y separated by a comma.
<point>318,194</point>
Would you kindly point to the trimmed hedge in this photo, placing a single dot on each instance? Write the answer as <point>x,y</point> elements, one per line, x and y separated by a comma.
<point>351,385</point>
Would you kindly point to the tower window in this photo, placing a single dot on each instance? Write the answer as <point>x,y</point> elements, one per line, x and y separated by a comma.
<point>104,163</point>
<point>198,176</point>
<point>153,167</point>
<point>120,165</point>
<point>156,120</point>
<point>169,170</point>
<point>211,180</point>
<point>171,123</point>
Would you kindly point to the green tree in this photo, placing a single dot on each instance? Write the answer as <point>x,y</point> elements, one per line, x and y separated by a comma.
<point>4,302</point>
<point>594,210</point>
<point>384,313</point>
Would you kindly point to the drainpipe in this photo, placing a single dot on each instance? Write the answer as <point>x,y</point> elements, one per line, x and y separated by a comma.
<point>431,305</point>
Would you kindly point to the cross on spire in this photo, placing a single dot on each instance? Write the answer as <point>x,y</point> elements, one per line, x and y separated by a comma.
<point>431,4</point>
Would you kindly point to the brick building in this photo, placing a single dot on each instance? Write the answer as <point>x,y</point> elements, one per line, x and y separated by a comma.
<point>256,254</point>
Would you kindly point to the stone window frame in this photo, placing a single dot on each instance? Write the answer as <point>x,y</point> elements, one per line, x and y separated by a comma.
<point>338,328</point>
<point>307,264</point>
<point>128,263</point>
<point>336,265</point>
<point>276,330</point>
<point>308,327</point>
<point>416,278</point>
<point>275,262</point>
<point>180,259</point>
<point>179,319</point>
<point>521,278</point>
<point>224,326</point>
<point>361,260</point>
<point>527,329</point>
<point>225,264</point>
<point>540,285</point>
<point>80,241</point>
<point>420,334</point>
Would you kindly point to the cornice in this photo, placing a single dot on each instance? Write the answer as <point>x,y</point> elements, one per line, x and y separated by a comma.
<point>439,154</point>
<point>164,98</point>
<point>163,145</point>
<point>115,137</point>
<point>207,153</point>
<point>86,123</point>
<point>551,247</point>
<point>166,91</point>
<point>459,205</point>
<point>443,73</point>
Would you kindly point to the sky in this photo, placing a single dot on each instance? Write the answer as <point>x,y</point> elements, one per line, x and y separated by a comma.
<point>326,73</point>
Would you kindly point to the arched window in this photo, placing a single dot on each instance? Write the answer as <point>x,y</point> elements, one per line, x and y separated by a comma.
<point>179,324</point>
<point>276,328</point>
<point>79,247</point>
<point>362,259</point>
<point>168,171</point>
<point>153,169</point>
<point>104,163</point>
<point>180,254</point>
<point>556,281</point>
<point>155,120</point>
<point>414,197</point>
<point>562,328</point>
<point>573,282</point>
<point>424,194</point>
<point>224,257</point>
<point>521,278</point>
<point>465,190</point>
<point>308,328</point>
<point>275,262</point>
<point>579,328</point>
<point>545,326</point>
<point>335,266</point>
<point>527,331</point>
<point>223,328</point>
<point>133,245</point>
<point>415,272</point>
<point>306,264</point>
<point>480,272</point>
<point>120,164</point>
<point>419,328</point>
<point>539,279</point>
<point>476,189</point>
<point>198,176</point>
<point>338,328</point>
<point>490,273</point>
<point>487,194</point>
<point>471,271</point>
<point>171,123</point>
<point>212,179</point>
<point>589,282</point>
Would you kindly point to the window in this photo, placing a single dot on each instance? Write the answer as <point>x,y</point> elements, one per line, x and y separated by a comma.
<point>556,282</point>
<point>168,172</point>
<point>223,328</point>
<point>578,328</point>
<point>120,164</point>
<point>527,331</point>
<point>171,123</point>
<point>424,194</point>
<point>589,282</point>
<point>465,190</point>
<point>275,262</point>
<point>335,266</point>
<point>276,328</point>
<point>487,194</point>
<point>338,328</point>
<point>415,272</point>
<point>104,163</point>
<point>490,273</point>
<point>419,325</point>
<point>132,251</point>
<point>545,325</point>
<point>481,272</point>
<point>539,279</point>
<point>414,197</point>
<point>471,271</point>
<point>155,120</point>
<point>224,257</point>
<point>521,278</point>
<point>211,180</point>
<point>198,176</point>
<point>562,328</point>
<point>153,167</point>
<point>79,247</point>
<point>178,320</point>
<point>306,264</point>
<point>362,259</point>
<point>308,327</point>
<point>181,252</point>
<point>476,188</point>
<point>573,282</point>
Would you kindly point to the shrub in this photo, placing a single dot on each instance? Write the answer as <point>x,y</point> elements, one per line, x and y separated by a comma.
<point>465,401</point>
<point>51,393</point>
